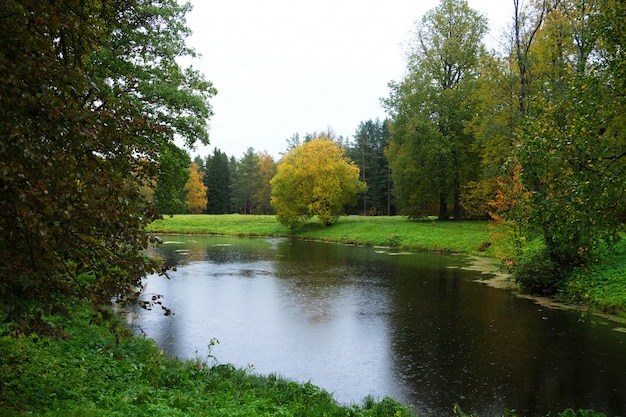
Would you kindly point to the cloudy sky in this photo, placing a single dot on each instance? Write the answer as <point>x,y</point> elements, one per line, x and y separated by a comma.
<point>288,66</point>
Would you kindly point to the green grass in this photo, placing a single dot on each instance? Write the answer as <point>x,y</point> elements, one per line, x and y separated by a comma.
<point>225,224</point>
<point>602,287</point>
<point>397,231</point>
<point>97,372</point>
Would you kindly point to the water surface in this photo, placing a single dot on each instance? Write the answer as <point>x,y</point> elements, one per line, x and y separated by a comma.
<point>363,321</point>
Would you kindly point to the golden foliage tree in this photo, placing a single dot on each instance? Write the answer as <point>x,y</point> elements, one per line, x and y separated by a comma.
<point>314,179</point>
<point>195,190</point>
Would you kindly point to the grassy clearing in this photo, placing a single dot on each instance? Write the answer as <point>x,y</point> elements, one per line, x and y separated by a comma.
<point>465,236</point>
<point>224,224</point>
<point>99,372</point>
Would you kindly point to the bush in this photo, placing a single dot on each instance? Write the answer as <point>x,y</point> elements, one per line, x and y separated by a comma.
<point>536,273</point>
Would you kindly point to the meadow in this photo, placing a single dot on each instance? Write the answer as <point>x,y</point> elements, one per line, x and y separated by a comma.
<point>396,231</point>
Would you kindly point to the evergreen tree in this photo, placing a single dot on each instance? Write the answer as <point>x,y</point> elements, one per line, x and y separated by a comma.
<point>368,153</point>
<point>247,183</point>
<point>217,181</point>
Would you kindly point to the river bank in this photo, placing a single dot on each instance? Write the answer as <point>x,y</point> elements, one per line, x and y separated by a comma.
<point>442,236</point>
<point>600,289</point>
<point>98,369</point>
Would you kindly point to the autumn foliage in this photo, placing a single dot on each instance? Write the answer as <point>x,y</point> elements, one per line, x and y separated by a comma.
<point>314,179</point>
<point>195,190</point>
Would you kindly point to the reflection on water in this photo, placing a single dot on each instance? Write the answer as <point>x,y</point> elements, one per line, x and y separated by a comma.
<point>357,321</point>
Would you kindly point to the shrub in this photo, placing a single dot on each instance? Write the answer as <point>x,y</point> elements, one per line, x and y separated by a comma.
<point>538,274</point>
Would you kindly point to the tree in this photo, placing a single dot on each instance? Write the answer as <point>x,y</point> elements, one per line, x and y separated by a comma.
<point>139,64</point>
<point>571,145</point>
<point>551,130</point>
<point>195,190</point>
<point>80,136</point>
<point>495,125</point>
<point>217,181</point>
<point>293,142</point>
<point>267,171</point>
<point>314,179</point>
<point>371,140</point>
<point>233,173</point>
<point>247,183</point>
<point>169,195</point>
<point>431,153</point>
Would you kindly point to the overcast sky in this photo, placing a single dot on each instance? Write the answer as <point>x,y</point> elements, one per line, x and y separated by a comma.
<point>287,66</point>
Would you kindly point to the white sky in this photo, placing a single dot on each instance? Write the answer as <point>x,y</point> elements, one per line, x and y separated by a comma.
<point>288,66</point>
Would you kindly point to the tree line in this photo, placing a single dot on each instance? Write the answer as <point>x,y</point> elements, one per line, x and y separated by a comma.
<point>532,137</point>
<point>223,184</point>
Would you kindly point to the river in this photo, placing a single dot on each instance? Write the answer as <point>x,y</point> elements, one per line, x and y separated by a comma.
<point>361,321</point>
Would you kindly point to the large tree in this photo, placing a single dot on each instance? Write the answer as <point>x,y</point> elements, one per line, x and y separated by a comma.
<point>431,151</point>
<point>314,179</point>
<point>90,93</point>
<point>139,64</point>
<point>572,141</point>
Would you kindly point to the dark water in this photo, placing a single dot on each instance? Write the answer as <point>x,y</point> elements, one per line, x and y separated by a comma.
<point>369,321</point>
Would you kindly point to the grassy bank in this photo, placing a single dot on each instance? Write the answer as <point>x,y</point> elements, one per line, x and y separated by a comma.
<point>97,371</point>
<point>602,287</point>
<point>375,231</point>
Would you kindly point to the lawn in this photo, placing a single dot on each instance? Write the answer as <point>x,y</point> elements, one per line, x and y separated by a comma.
<point>397,231</point>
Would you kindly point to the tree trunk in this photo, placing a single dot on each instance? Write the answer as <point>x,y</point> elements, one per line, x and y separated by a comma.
<point>458,209</point>
<point>443,208</point>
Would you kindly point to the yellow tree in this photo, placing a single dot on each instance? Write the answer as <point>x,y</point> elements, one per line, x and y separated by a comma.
<point>195,190</point>
<point>314,179</point>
